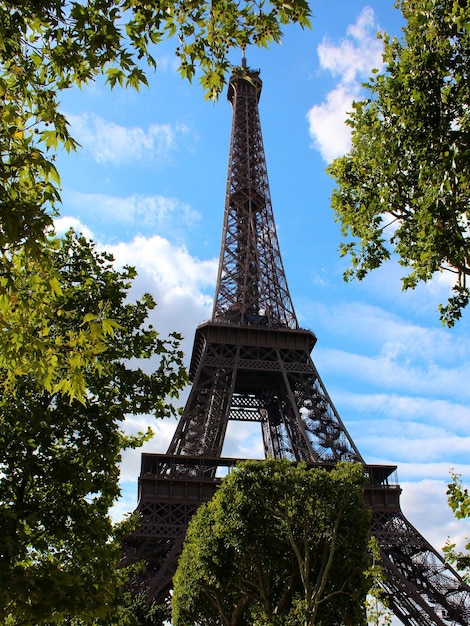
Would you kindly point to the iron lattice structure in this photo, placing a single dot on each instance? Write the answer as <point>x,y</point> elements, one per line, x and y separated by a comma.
<point>252,362</point>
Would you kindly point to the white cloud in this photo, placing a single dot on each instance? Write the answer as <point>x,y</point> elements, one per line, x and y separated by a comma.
<point>135,213</point>
<point>167,63</point>
<point>396,371</point>
<point>351,61</point>
<point>414,442</point>
<point>171,267</point>
<point>326,122</point>
<point>355,55</point>
<point>243,440</point>
<point>393,337</point>
<point>424,503</point>
<point>396,407</point>
<point>109,142</point>
<point>181,284</point>
<point>402,391</point>
<point>423,299</point>
<point>63,224</point>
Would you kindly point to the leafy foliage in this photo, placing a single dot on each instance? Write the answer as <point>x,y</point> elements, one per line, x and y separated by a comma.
<point>278,544</point>
<point>403,187</point>
<point>377,606</point>
<point>59,457</point>
<point>130,611</point>
<point>31,293</point>
<point>144,614</point>
<point>459,502</point>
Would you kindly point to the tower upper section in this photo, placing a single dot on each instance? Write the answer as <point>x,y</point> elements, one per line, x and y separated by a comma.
<point>251,284</point>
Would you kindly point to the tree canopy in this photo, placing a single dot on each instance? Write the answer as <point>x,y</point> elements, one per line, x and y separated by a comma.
<point>59,458</point>
<point>278,544</point>
<point>403,189</point>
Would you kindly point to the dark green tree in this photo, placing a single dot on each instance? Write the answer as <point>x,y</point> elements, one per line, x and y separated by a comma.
<point>278,544</point>
<point>403,189</point>
<point>59,457</point>
<point>132,611</point>
<point>143,613</point>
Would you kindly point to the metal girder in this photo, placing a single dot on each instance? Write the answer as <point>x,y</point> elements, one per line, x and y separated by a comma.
<point>422,588</point>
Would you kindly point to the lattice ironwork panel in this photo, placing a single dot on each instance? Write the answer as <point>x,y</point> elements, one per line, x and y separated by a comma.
<point>324,428</point>
<point>247,408</point>
<point>240,381</point>
<point>201,430</point>
<point>166,520</point>
<point>423,590</point>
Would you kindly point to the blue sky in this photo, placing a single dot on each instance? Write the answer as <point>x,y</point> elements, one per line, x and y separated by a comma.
<point>149,185</point>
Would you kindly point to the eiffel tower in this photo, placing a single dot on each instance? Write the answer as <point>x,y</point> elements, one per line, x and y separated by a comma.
<point>251,362</point>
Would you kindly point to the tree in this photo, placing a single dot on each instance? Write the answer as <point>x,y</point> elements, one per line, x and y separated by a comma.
<point>459,502</point>
<point>48,46</point>
<point>59,457</point>
<point>143,613</point>
<point>131,611</point>
<point>403,187</point>
<point>278,544</point>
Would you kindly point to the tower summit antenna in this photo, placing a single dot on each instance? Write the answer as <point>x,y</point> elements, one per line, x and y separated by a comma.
<point>251,362</point>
